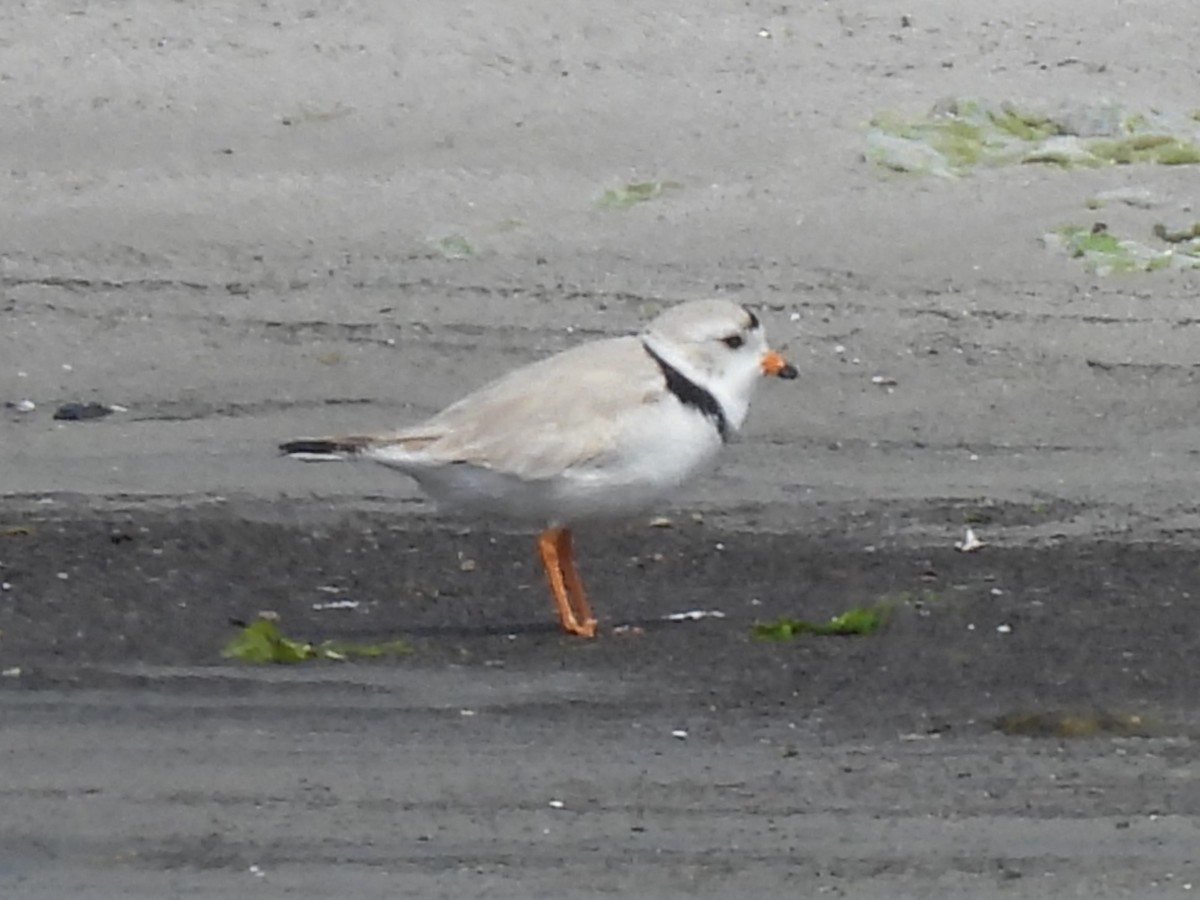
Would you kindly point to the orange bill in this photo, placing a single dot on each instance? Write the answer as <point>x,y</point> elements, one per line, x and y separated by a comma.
<point>773,363</point>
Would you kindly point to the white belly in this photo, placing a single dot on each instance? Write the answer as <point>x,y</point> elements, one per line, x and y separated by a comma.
<point>661,448</point>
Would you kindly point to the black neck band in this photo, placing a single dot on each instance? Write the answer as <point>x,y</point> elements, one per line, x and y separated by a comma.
<point>692,394</point>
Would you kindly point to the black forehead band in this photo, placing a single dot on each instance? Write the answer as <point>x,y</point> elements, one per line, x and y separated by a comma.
<point>753,319</point>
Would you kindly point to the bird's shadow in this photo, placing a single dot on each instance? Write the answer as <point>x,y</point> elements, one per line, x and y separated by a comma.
<point>496,629</point>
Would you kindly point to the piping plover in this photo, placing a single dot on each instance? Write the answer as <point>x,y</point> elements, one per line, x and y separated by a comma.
<point>603,429</point>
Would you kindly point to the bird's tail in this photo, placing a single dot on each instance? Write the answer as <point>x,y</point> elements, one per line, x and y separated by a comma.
<point>325,448</point>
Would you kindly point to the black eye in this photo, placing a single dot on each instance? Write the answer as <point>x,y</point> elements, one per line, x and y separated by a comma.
<point>733,341</point>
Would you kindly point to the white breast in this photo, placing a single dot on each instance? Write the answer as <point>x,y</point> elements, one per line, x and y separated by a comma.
<point>661,446</point>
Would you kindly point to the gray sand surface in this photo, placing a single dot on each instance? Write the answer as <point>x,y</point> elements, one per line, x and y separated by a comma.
<point>225,218</point>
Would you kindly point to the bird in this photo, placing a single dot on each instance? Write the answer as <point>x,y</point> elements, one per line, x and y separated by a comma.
<point>602,430</point>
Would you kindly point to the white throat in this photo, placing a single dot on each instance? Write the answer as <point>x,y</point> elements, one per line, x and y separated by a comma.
<point>712,395</point>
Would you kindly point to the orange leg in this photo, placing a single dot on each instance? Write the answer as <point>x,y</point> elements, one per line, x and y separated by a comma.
<point>554,547</point>
<point>573,583</point>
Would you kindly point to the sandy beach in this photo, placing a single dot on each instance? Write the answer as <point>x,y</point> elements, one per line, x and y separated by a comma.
<point>237,224</point>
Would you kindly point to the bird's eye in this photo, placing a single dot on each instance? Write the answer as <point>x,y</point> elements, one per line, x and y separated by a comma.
<point>733,341</point>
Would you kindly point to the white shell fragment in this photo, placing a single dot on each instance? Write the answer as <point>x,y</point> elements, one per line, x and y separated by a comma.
<point>336,604</point>
<point>970,542</point>
<point>694,615</point>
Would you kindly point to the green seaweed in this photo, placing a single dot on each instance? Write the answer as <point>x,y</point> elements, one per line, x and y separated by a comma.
<point>626,195</point>
<point>1062,724</point>
<point>861,620</point>
<point>1179,153</point>
<point>1064,152</point>
<point>1023,126</point>
<point>962,143</point>
<point>1140,148</point>
<point>969,133</point>
<point>262,642</point>
<point>1101,251</point>
<point>452,246</point>
<point>1084,240</point>
<point>1105,253</point>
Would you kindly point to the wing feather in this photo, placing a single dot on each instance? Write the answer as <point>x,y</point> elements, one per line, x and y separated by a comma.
<point>563,412</point>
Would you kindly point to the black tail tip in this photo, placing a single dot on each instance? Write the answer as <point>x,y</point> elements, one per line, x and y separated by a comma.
<point>306,445</point>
